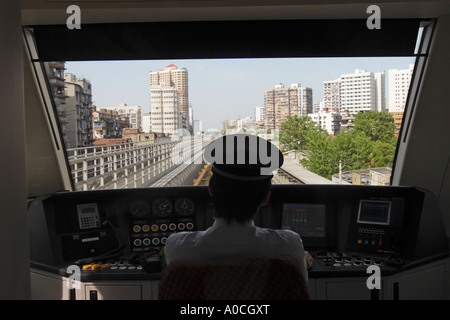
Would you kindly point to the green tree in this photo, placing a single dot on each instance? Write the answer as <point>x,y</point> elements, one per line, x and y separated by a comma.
<point>324,153</point>
<point>295,132</point>
<point>371,143</point>
<point>383,154</point>
<point>354,149</point>
<point>376,125</point>
<point>319,154</point>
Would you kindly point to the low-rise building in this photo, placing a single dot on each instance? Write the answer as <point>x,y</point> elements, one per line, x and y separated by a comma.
<point>108,124</point>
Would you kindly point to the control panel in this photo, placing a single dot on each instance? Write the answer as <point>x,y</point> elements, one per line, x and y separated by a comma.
<point>151,222</point>
<point>124,265</point>
<point>121,233</point>
<point>377,225</point>
<point>347,260</point>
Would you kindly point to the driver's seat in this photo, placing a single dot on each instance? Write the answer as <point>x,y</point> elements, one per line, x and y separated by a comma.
<point>262,278</point>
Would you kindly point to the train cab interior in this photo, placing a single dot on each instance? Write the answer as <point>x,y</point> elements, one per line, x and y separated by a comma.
<point>63,238</point>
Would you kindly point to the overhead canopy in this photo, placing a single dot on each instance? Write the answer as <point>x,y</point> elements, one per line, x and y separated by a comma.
<point>226,39</point>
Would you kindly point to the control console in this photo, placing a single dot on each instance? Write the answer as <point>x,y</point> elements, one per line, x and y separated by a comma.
<point>377,225</point>
<point>337,261</point>
<point>151,223</point>
<point>121,233</point>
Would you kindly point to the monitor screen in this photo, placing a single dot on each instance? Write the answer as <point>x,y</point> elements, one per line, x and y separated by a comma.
<point>307,219</point>
<point>374,212</point>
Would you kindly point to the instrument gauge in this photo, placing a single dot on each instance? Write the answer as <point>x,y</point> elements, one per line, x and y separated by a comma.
<point>184,206</point>
<point>162,207</point>
<point>139,209</point>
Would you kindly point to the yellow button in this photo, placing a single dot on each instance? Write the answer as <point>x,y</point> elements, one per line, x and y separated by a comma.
<point>145,228</point>
<point>95,266</point>
<point>87,266</point>
<point>137,228</point>
<point>155,227</point>
<point>104,266</point>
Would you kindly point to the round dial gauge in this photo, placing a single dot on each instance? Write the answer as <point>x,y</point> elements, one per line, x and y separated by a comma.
<point>162,207</point>
<point>184,206</point>
<point>139,209</point>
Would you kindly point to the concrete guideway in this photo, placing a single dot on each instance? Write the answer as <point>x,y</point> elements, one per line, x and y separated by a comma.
<point>292,172</point>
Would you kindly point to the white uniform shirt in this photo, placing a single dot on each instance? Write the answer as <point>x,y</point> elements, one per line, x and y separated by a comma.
<point>235,240</point>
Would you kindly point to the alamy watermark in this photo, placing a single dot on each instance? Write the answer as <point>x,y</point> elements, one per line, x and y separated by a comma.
<point>74,20</point>
<point>73,281</point>
<point>374,21</point>
<point>374,280</point>
<point>188,148</point>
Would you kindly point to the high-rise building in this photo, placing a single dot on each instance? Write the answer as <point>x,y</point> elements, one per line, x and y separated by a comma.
<point>55,74</point>
<point>357,91</point>
<point>380,91</point>
<point>165,115</point>
<point>354,92</point>
<point>171,76</point>
<point>331,95</point>
<point>79,128</point>
<point>398,84</point>
<point>281,102</point>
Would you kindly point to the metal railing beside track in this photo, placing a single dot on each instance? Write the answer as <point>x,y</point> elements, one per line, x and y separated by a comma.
<point>131,165</point>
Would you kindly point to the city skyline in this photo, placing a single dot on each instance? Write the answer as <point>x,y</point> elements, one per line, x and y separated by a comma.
<point>221,89</point>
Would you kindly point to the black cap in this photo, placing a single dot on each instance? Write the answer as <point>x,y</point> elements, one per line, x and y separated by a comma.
<point>243,157</point>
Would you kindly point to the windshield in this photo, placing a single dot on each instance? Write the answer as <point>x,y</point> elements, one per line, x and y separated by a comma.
<point>145,123</point>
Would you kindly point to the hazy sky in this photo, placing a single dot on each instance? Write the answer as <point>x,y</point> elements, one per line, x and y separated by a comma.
<point>221,89</point>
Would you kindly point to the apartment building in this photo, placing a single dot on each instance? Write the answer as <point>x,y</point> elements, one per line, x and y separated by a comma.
<point>328,120</point>
<point>133,113</point>
<point>108,124</point>
<point>165,115</point>
<point>358,91</point>
<point>78,109</point>
<point>171,76</point>
<point>332,95</point>
<point>354,92</point>
<point>380,91</point>
<point>260,114</point>
<point>55,74</point>
<point>397,117</point>
<point>282,102</point>
<point>398,87</point>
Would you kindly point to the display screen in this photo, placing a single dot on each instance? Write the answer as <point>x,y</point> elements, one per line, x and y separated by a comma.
<point>307,219</point>
<point>374,212</point>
